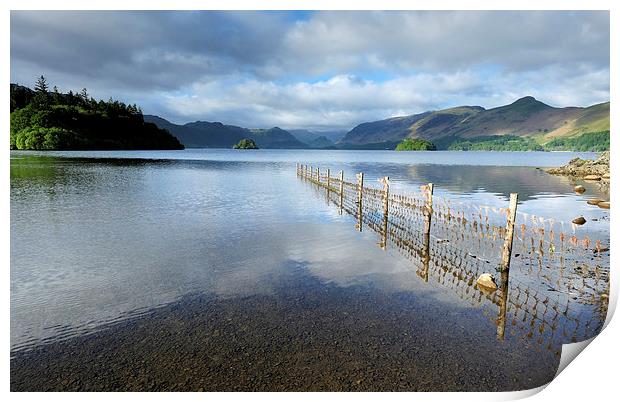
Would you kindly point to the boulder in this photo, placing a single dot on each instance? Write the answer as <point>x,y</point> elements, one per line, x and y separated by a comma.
<point>604,205</point>
<point>592,177</point>
<point>487,282</point>
<point>579,189</point>
<point>594,201</point>
<point>579,221</point>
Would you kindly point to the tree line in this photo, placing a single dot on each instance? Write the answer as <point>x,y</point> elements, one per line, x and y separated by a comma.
<point>44,119</point>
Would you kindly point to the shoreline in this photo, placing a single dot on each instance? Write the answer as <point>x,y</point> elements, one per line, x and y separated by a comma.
<point>589,169</point>
<point>260,343</point>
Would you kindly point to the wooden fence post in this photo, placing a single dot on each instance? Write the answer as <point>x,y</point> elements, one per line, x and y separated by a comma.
<point>341,189</point>
<point>510,225</point>
<point>318,175</point>
<point>386,197</point>
<point>360,187</point>
<point>328,178</point>
<point>428,208</point>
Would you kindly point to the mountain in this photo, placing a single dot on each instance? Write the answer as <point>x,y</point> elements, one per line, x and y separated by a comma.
<point>275,138</point>
<point>308,136</point>
<point>321,142</point>
<point>202,134</point>
<point>388,130</point>
<point>527,121</point>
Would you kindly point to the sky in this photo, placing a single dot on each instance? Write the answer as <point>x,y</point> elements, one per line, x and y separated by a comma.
<point>315,70</point>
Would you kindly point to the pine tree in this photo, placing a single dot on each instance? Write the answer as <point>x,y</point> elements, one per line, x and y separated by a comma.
<point>41,98</point>
<point>41,85</point>
<point>56,95</point>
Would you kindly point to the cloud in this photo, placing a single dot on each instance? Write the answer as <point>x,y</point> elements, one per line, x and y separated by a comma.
<point>322,69</point>
<point>344,101</point>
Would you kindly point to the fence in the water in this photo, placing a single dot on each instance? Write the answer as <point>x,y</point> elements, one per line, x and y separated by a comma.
<point>553,287</point>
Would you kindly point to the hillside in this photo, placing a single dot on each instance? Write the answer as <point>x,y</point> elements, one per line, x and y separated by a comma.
<point>275,138</point>
<point>202,134</point>
<point>527,123</point>
<point>309,136</point>
<point>321,142</point>
<point>388,130</point>
<point>51,120</point>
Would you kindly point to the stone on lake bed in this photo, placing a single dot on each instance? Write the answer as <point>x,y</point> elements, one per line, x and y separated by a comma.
<point>579,189</point>
<point>592,177</point>
<point>606,176</point>
<point>604,205</point>
<point>579,221</point>
<point>487,282</point>
<point>595,201</point>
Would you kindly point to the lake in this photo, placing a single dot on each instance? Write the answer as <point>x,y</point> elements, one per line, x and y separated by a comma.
<point>220,269</point>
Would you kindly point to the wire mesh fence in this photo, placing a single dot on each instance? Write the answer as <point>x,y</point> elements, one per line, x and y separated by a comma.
<point>553,281</point>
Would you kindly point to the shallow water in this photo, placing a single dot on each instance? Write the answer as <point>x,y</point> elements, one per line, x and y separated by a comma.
<point>102,238</point>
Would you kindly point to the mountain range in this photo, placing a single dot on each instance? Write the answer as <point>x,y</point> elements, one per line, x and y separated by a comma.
<point>527,117</point>
<point>202,134</point>
<point>529,123</point>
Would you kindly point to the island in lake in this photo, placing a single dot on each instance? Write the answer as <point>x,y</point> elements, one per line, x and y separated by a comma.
<point>245,143</point>
<point>50,120</point>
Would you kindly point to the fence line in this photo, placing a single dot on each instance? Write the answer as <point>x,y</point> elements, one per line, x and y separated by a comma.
<point>564,275</point>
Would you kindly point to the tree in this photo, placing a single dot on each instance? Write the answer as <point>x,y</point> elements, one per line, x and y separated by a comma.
<point>41,99</point>
<point>56,95</point>
<point>84,94</point>
<point>41,85</point>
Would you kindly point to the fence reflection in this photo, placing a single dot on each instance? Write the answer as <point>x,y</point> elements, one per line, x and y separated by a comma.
<point>553,286</point>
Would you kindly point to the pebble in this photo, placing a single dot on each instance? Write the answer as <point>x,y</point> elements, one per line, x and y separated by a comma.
<point>579,189</point>
<point>595,201</point>
<point>604,205</point>
<point>579,221</point>
<point>487,281</point>
<point>592,177</point>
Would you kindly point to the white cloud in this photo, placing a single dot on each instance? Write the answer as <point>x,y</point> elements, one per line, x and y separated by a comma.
<point>344,101</point>
<point>331,69</point>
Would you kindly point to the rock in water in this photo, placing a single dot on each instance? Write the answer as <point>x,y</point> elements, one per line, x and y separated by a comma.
<point>487,282</point>
<point>595,201</point>
<point>592,177</point>
<point>579,221</point>
<point>606,176</point>
<point>604,205</point>
<point>580,189</point>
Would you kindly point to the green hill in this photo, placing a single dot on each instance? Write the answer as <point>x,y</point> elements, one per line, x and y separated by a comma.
<point>526,124</point>
<point>51,120</point>
<point>203,134</point>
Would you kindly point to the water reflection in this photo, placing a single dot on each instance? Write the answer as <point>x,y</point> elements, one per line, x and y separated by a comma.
<point>555,309</point>
<point>96,241</point>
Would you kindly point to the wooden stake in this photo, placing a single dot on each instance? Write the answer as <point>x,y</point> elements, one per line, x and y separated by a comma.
<point>386,197</point>
<point>360,187</point>
<point>341,189</point>
<point>510,225</point>
<point>328,182</point>
<point>428,210</point>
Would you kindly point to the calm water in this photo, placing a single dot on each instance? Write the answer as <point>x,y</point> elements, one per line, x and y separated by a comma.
<point>100,237</point>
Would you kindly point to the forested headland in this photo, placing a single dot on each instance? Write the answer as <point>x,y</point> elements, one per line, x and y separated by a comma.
<point>44,119</point>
